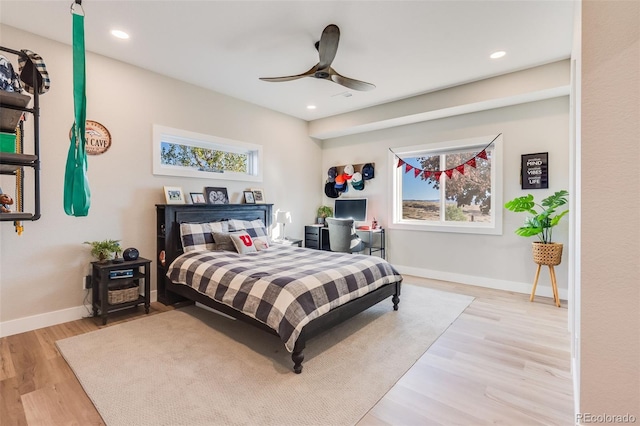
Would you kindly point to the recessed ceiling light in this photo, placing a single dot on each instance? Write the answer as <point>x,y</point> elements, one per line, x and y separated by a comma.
<point>311,107</point>
<point>119,34</point>
<point>498,54</point>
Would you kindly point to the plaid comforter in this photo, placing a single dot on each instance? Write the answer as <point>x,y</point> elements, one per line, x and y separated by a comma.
<point>284,287</point>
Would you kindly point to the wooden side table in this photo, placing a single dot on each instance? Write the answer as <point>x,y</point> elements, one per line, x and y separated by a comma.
<point>107,277</point>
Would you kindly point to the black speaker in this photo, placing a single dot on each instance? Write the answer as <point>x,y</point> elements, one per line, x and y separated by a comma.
<point>130,254</point>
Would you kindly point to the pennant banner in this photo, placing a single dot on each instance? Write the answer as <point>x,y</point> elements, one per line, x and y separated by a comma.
<point>449,172</point>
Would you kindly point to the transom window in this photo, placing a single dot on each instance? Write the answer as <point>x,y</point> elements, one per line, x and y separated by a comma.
<point>182,153</point>
<point>452,186</point>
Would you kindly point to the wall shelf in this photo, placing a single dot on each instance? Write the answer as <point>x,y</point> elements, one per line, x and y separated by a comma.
<point>12,107</point>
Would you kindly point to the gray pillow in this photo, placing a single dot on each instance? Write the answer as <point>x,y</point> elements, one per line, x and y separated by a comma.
<point>223,241</point>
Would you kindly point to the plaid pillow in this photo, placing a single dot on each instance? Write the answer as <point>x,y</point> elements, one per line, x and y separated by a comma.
<point>198,236</point>
<point>255,228</point>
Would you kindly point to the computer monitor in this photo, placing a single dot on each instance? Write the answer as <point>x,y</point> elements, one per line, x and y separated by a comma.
<point>351,208</point>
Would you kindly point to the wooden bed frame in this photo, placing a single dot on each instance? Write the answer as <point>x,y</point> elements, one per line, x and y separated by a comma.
<point>168,224</point>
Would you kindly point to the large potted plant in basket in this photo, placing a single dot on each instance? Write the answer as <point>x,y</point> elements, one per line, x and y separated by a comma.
<point>541,224</point>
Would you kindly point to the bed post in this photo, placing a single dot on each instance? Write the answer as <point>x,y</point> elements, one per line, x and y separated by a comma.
<point>297,356</point>
<point>396,296</point>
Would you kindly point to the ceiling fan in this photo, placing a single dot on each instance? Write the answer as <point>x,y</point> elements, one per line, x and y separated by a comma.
<point>327,48</point>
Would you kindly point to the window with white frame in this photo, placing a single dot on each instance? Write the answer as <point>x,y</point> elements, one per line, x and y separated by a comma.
<point>182,153</point>
<point>453,186</point>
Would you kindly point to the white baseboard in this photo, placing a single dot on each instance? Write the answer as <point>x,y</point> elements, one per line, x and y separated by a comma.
<point>34,322</point>
<point>22,325</point>
<point>517,287</point>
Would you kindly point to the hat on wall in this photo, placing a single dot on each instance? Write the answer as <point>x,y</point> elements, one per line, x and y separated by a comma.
<point>332,174</point>
<point>341,183</point>
<point>348,171</point>
<point>367,171</point>
<point>330,190</point>
<point>25,67</point>
<point>357,182</point>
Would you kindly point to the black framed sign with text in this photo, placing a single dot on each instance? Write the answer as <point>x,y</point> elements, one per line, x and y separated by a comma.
<point>535,171</point>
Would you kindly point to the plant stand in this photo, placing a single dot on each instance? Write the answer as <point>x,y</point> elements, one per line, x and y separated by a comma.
<point>548,254</point>
<point>554,285</point>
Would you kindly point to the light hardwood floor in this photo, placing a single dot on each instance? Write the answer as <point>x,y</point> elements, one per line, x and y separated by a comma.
<point>503,361</point>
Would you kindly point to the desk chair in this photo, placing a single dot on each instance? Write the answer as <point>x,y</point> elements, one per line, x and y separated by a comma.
<point>343,237</point>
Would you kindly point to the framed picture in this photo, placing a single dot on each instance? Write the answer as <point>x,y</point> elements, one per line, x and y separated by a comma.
<point>258,195</point>
<point>174,195</point>
<point>535,171</point>
<point>216,195</point>
<point>249,198</point>
<point>198,198</point>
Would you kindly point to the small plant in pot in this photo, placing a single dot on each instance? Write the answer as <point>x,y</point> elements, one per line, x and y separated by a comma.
<point>541,224</point>
<point>323,213</point>
<point>104,250</point>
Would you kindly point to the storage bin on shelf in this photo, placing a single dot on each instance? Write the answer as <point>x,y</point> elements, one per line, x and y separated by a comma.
<point>122,294</point>
<point>7,142</point>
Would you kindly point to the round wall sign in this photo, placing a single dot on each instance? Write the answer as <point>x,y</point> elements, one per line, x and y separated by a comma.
<point>98,138</point>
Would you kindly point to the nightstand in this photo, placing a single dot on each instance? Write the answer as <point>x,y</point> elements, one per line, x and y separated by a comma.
<point>288,242</point>
<point>116,286</point>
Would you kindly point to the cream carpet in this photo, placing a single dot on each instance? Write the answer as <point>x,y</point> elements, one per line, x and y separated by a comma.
<point>194,367</point>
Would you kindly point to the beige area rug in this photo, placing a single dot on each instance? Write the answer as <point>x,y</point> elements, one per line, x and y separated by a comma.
<point>194,367</point>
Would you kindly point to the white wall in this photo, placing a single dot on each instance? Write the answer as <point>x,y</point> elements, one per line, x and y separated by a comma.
<point>129,100</point>
<point>41,271</point>
<point>493,261</point>
<point>610,234</point>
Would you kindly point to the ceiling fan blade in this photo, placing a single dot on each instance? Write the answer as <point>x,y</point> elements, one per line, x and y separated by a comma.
<point>291,77</point>
<point>350,82</point>
<point>328,46</point>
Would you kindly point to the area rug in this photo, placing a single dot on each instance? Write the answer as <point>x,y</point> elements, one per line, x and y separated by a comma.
<point>195,367</point>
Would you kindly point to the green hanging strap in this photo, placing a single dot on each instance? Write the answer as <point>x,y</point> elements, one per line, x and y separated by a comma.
<point>77,197</point>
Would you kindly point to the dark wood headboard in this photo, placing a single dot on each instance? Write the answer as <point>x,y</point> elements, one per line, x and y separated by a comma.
<point>170,216</point>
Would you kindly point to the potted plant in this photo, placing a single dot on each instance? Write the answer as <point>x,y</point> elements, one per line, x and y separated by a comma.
<point>541,224</point>
<point>104,250</point>
<point>323,213</point>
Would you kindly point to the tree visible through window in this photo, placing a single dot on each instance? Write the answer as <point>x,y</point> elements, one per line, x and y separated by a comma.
<point>202,159</point>
<point>425,195</point>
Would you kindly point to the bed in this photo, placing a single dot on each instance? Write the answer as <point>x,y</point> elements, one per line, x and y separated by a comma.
<point>294,293</point>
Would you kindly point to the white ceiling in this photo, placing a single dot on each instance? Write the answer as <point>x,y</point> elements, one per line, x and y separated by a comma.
<point>405,48</point>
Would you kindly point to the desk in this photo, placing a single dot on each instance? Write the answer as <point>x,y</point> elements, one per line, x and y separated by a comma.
<point>317,237</point>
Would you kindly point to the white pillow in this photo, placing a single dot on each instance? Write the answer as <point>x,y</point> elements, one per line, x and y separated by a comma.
<point>260,244</point>
<point>243,242</point>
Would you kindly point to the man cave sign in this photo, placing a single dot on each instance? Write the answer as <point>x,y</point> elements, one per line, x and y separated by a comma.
<point>98,138</point>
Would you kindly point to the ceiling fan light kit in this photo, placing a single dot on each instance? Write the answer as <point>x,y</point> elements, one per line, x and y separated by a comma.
<point>327,48</point>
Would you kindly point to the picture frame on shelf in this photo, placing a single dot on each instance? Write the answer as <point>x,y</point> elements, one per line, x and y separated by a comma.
<point>216,195</point>
<point>249,198</point>
<point>174,195</point>
<point>258,195</point>
<point>197,198</point>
